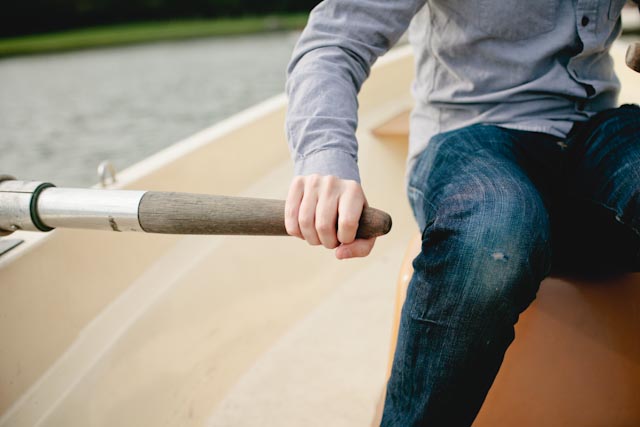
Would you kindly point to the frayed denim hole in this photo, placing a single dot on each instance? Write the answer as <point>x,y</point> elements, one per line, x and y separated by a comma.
<point>418,308</point>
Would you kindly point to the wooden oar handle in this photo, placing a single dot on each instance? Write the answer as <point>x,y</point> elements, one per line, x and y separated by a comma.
<point>633,56</point>
<point>184,213</point>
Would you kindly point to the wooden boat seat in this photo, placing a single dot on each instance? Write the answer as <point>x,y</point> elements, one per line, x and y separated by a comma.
<point>396,128</point>
<point>575,360</point>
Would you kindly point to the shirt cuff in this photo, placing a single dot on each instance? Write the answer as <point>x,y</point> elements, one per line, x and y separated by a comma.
<point>328,162</point>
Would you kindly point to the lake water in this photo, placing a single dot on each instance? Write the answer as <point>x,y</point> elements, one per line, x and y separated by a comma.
<point>62,114</point>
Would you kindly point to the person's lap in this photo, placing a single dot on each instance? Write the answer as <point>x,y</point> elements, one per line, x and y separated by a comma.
<point>498,209</point>
<point>589,183</point>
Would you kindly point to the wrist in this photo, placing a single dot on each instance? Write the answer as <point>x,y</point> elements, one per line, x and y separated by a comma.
<point>328,162</point>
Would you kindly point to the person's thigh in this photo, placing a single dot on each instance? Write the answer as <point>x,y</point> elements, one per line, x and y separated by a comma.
<point>482,189</point>
<point>485,249</point>
<point>602,224</point>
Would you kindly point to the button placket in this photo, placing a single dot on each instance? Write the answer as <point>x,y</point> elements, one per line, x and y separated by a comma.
<point>586,18</point>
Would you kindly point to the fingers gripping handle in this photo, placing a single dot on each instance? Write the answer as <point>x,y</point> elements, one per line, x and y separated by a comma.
<point>184,213</point>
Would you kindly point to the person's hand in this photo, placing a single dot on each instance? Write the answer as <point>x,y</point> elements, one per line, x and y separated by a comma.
<point>315,205</point>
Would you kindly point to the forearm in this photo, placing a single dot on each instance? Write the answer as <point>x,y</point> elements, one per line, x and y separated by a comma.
<point>330,63</point>
<point>322,114</point>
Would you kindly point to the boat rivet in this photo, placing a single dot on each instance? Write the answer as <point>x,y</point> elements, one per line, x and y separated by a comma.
<point>106,173</point>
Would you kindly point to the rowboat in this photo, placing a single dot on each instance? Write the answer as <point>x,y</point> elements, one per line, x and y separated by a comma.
<point>102,328</point>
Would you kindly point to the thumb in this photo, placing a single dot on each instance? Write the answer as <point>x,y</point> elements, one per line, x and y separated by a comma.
<point>357,249</point>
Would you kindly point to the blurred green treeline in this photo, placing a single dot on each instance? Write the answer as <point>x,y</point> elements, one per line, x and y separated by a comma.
<point>38,16</point>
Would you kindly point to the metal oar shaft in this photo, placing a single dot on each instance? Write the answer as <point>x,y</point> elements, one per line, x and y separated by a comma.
<point>115,210</point>
<point>42,207</point>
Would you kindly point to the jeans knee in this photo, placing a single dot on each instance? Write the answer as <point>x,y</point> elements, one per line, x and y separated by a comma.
<point>505,222</point>
<point>472,287</point>
<point>483,266</point>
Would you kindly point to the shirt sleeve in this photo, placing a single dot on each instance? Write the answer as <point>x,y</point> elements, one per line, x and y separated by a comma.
<point>332,59</point>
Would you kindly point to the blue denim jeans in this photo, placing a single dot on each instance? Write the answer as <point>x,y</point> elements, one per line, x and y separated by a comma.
<point>499,209</point>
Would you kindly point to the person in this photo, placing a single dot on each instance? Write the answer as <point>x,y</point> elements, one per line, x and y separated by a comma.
<point>519,161</point>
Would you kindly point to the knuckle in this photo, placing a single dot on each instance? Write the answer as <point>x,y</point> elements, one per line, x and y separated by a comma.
<point>324,227</point>
<point>296,185</point>
<point>294,233</point>
<point>348,223</point>
<point>331,245</point>
<point>353,185</point>
<point>358,198</point>
<point>291,228</point>
<point>330,187</point>
<point>331,181</point>
<point>305,221</point>
<point>346,238</point>
<point>290,212</point>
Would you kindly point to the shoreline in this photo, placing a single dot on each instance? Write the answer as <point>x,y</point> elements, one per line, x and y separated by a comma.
<point>146,32</point>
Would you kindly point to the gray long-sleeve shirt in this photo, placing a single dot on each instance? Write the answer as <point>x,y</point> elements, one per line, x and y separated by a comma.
<point>537,65</point>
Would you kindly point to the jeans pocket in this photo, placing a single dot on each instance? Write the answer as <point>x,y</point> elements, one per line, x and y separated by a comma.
<point>516,19</point>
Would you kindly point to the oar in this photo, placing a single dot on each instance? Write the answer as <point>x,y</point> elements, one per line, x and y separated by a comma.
<point>39,206</point>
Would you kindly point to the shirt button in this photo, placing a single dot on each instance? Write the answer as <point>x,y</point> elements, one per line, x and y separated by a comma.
<point>585,21</point>
<point>590,90</point>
